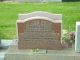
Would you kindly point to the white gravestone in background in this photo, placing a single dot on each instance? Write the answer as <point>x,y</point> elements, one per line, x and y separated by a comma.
<point>77,37</point>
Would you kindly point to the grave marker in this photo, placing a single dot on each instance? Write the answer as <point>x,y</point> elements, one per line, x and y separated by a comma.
<point>77,37</point>
<point>39,30</point>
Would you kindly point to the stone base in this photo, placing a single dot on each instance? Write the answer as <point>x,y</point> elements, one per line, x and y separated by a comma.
<point>14,53</point>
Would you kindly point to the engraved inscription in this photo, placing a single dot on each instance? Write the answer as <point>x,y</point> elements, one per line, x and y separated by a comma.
<point>39,31</point>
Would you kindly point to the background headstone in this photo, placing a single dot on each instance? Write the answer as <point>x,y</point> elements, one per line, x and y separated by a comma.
<point>77,37</point>
<point>39,30</point>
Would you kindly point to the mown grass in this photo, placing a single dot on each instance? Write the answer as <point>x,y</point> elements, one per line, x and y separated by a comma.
<point>9,14</point>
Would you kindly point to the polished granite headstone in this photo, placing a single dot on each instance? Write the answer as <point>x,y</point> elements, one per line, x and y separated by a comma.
<point>40,30</point>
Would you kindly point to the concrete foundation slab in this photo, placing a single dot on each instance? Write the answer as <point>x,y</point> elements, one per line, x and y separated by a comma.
<point>14,53</point>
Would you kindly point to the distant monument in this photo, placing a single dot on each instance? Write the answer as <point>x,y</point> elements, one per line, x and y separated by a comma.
<point>40,30</point>
<point>77,37</point>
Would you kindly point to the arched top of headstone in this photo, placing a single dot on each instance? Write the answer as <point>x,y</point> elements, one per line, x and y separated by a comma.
<point>41,14</point>
<point>39,30</point>
<point>39,18</point>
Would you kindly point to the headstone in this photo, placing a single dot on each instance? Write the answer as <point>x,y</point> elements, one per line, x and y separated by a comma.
<point>40,30</point>
<point>77,37</point>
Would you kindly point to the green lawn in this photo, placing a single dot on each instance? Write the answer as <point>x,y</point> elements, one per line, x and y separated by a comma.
<point>9,14</point>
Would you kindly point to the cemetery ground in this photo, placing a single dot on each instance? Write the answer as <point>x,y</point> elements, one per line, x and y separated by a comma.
<point>9,14</point>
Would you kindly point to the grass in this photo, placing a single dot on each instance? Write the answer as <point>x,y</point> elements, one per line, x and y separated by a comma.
<point>9,14</point>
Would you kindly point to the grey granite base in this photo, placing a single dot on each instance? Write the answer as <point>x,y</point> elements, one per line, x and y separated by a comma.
<point>14,53</point>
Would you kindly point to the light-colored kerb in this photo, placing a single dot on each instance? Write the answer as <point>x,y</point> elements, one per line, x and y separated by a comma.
<point>38,17</point>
